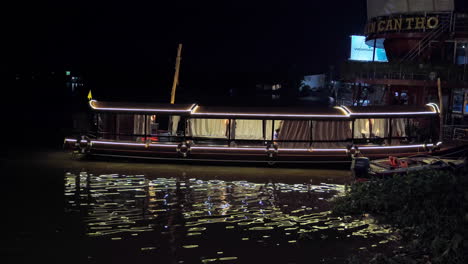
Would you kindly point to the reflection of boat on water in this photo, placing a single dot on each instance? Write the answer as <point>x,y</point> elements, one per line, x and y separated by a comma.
<point>365,168</point>
<point>258,134</point>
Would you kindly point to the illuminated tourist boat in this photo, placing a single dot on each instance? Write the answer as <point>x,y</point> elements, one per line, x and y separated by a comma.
<point>258,134</point>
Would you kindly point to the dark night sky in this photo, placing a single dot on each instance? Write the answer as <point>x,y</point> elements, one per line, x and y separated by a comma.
<point>126,51</point>
<point>128,48</point>
<point>131,46</point>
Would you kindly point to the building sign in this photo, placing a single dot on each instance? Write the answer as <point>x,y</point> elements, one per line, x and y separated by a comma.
<point>402,24</point>
<point>360,51</point>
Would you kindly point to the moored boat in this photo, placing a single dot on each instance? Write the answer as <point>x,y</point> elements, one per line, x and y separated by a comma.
<point>258,134</point>
<point>365,169</point>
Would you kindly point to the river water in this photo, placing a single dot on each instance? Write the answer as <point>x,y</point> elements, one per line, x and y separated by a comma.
<point>120,212</point>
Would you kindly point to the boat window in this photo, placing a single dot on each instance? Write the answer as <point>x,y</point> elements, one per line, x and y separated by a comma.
<point>133,127</point>
<point>163,128</point>
<point>362,128</point>
<point>399,127</point>
<point>106,125</point>
<point>248,129</point>
<point>374,127</point>
<point>174,128</point>
<point>208,128</point>
<point>379,128</point>
<point>140,129</point>
<point>125,127</point>
<point>295,130</point>
<point>331,134</point>
<point>272,132</point>
<point>376,130</point>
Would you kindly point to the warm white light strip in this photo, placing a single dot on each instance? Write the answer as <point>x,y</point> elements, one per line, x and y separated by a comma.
<point>91,103</point>
<point>343,109</point>
<point>194,109</point>
<point>434,106</point>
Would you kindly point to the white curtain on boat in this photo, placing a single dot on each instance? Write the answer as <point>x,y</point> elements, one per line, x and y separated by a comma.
<point>361,128</point>
<point>174,121</point>
<point>330,130</point>
<point>398,127</point>
<point>380,127</point>
<point>215,128</point>
<point>268,130</point>
<point>249,129</point>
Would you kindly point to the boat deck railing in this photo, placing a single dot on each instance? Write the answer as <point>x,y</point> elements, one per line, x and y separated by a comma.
<point>260,143</point>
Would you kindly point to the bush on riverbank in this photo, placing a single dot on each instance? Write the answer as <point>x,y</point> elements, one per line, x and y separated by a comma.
<point>429,209</point>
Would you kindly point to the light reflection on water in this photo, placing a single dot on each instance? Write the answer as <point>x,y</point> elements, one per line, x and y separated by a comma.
<point>187,220</point>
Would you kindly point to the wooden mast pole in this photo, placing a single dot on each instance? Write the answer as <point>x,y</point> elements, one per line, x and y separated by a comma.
<point>176,75</point>
<point>441,107</point>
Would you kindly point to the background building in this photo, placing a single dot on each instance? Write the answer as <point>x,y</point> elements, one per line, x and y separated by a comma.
<point>423,40</point>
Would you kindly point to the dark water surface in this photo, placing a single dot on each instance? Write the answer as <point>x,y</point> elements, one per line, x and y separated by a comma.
<point>60,210</point>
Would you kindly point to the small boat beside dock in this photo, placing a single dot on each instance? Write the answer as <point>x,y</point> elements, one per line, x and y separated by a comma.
<point>364,169</point>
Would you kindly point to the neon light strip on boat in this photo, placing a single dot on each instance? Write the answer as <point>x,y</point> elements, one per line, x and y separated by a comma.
<point>247,148</point>
<point>130,144</point>
<point>266,115</point>
<point>228,148</point>
<point>194,112</point>
<point>118,143</point>
<point>312,150</point>
<point>398,147</point>
<point>389,113</point>
<point>92,102</point>
<point>194,107</point>
<point>70,140</point>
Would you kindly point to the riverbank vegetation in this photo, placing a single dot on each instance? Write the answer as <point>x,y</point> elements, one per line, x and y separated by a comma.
<point>429,211</point>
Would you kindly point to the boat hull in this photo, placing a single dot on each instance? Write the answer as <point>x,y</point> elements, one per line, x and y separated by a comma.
<point>220,153</point>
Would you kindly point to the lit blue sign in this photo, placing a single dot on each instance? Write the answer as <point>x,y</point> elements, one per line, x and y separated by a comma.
<point>360,51</point>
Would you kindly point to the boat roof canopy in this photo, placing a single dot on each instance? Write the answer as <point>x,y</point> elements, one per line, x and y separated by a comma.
<point>391,111</point>
<point>269,112</point>
<point>279,113</point>
<point>142,108</point>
